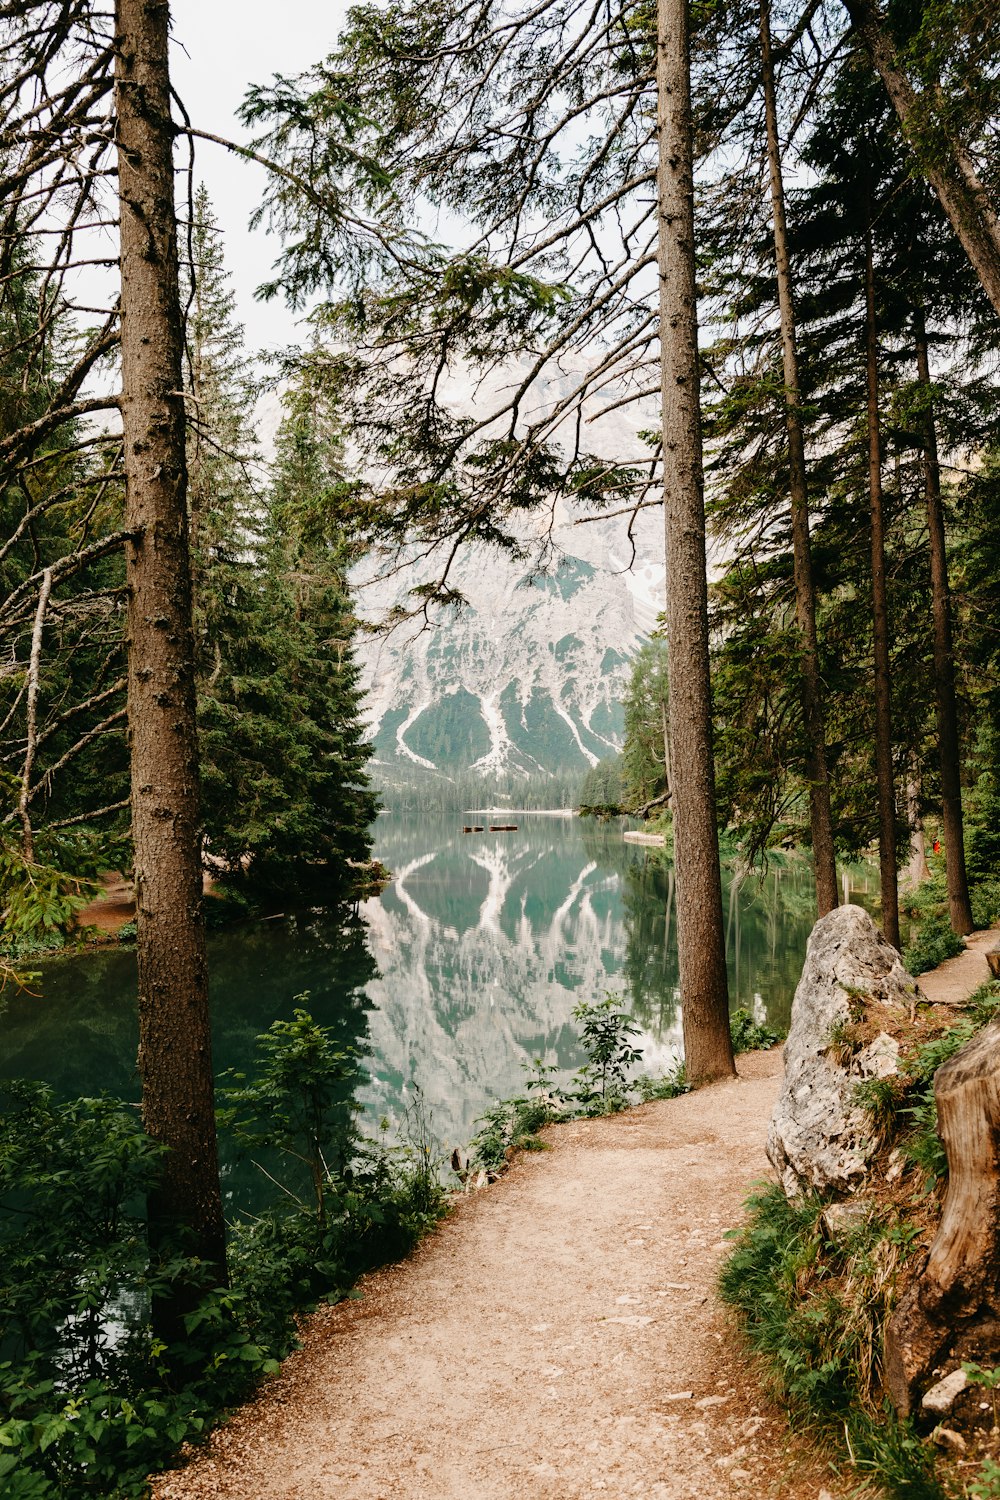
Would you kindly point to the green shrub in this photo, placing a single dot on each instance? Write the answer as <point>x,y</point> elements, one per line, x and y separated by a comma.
<point>606,1032</point>
<point>934,942</point>
<point>509,1125</point>
<point>749,1035</point>
<point>89,1402</point>
<point>668,1086</point>
<point>985,896</point>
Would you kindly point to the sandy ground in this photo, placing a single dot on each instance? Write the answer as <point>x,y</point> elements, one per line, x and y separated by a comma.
<point>115,906</point>
<point>112,908</point>
<point>954,980</point>
<point>558,1337</point>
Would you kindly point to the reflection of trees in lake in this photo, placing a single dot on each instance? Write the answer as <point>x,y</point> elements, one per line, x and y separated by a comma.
<point>768,921</point>
<point>650,967</point>
<point>79,1031</point>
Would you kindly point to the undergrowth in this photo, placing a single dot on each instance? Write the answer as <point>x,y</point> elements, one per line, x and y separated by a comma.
<point>90,1402</point>
<point>925,906</point>
<point>901,1109</point>
<point>606,1084</point>
<point>813,1307</point>
<point>751,1036</point>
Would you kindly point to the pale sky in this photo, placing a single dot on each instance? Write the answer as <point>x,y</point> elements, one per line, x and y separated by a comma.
<point>220,47</point>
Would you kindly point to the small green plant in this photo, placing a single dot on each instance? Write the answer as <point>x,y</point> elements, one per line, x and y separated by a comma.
<point>508,1126</point>
<point>988,1379</point>
<point>606,1034</point>
<point>668,1086</point>
<point>299,1103</point>
<point>986,1485</point>
<point>749,1035</point>
<point>982,1006</point>
<point>882,1100</point>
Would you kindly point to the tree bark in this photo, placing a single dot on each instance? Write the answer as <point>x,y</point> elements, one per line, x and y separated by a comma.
<point>918,870</point>
<point>949,757</point>
<point>31,747</point>
<point>700,934</point>
<point>820,816</point>
<point>958,1290</point>
<point>175,1054</point>
<point>880,622</point>
<point>947,167</point>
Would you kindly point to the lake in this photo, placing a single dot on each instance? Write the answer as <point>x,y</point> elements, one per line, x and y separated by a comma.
<point>466,967</point>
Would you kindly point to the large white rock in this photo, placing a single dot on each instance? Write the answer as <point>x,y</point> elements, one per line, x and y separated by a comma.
<point>818,1136</point>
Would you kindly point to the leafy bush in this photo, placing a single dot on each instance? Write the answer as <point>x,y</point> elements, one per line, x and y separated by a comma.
<point>508,1126</point>
<point>749,1035</point>
<point>985,896</point>
<point>606,1034</point>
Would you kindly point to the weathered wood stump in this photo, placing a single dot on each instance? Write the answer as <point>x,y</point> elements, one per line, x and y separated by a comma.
<point>953,1307</point>
<point>993,959</point>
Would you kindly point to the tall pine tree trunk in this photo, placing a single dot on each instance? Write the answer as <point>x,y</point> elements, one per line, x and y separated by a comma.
<point>880,621</point>
<point>701,943</point>
<point>945,163</point>
<point>959,905</point>
<point>820,817</point>
<point>175,1055</point>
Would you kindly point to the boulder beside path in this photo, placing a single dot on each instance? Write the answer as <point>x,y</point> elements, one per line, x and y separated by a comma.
<point>819,1138</point>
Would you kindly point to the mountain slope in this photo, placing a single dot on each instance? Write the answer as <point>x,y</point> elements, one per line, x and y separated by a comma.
<point>526,679</point>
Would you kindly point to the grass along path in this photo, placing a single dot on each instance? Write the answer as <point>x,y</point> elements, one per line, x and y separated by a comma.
<point>558,1337</point>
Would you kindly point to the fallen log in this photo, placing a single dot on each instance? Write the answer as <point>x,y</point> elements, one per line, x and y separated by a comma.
<point>952,1308</point>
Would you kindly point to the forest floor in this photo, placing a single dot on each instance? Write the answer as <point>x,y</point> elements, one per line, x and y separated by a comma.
<point>559,1335</point>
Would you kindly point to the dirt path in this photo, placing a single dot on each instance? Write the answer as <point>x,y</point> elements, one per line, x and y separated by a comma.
<point>558,1337</point>
<point>954,980</point>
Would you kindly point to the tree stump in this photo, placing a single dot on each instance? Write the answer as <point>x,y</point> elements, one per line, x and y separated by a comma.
<point>993,959</point>
<point>955,1300</point>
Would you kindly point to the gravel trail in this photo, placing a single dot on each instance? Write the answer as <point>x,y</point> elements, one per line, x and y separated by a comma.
<point>558,1337</point>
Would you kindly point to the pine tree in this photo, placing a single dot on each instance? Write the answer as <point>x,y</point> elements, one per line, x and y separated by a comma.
<point>175,1049</point>
<point>287,800</point>
<point>645,757</point>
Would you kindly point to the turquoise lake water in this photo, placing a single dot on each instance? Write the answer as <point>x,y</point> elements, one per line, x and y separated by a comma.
<point>465,968</point>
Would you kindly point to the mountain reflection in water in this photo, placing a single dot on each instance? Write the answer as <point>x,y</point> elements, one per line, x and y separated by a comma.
<point>485,942</point>
<point>467,966</point>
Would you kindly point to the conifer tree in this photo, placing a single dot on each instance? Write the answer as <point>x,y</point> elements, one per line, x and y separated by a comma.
<point>175,1050</point>
<point>645,758</point>
<point>287,800</point>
